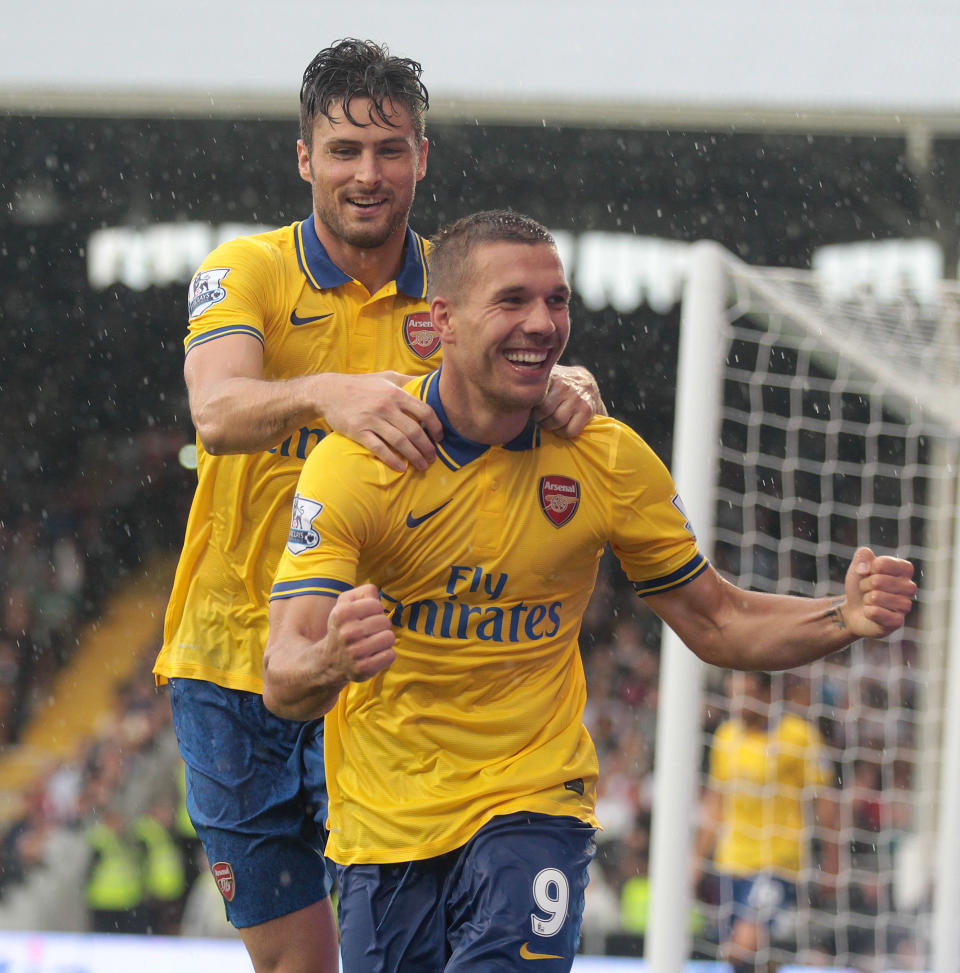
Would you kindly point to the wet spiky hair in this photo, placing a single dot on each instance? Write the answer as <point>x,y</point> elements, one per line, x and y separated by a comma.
<point>352,68</point>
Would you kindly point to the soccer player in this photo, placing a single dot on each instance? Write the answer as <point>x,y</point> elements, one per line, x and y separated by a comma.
<point>293,333</point>
<point>769,789</point>
<point>434,614</point>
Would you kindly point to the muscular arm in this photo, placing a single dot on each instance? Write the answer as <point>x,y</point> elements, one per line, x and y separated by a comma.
<point>318,644</point>
<point>236,410</point>
<point>729,627</point>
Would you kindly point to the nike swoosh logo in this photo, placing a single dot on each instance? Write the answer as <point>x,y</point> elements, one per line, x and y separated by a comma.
<point>296,320</point>
<point>417,521</point>
<point>526,954</point>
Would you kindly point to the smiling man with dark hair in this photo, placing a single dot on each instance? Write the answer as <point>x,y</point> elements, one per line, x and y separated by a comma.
<point>293,333</point>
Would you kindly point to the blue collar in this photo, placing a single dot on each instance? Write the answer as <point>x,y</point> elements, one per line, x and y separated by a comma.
<point>322,272</point>
<point>456,450</point>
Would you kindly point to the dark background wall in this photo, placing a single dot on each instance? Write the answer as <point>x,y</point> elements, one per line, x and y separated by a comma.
<point>91,388</point>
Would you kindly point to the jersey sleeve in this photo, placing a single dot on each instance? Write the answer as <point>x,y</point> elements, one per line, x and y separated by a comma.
<point>335,511</point>
<point>650,533</point>
<point>230,292</point>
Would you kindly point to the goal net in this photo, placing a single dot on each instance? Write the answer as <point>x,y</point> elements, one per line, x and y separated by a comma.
<point>811,421</point>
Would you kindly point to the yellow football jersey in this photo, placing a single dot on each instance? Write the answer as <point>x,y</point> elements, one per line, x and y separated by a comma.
<point>765,779</point>
<point>281,289</point>
<point>485,564</point>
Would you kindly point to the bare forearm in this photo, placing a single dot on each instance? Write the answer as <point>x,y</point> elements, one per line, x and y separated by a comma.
<point>301,706</point>
<point>246,415</point>
<point>317,645</point>
<point>294,687</point>
<point>738,629</point>
<point>772,632</point>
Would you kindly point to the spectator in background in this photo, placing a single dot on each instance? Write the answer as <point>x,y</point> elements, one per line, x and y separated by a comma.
<point>114,889</point>
<point>768,782</point>
<point>162,868</point>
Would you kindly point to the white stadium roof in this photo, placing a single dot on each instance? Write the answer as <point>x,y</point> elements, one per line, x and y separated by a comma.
<point>857,65</point>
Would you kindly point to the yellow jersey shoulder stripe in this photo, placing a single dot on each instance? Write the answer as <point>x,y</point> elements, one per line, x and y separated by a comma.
<point>309,586</point>
<point>695,566</point>
<point>229,329</point>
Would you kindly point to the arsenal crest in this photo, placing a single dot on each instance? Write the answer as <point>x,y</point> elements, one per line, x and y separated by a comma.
<point>419,334</point>
<point>559,498</point>
<point>226,882</point>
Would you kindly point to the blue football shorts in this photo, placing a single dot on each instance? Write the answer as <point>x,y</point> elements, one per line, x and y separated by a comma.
<point>510,899</point>
<point>762,899</point>
<point>256,794</point>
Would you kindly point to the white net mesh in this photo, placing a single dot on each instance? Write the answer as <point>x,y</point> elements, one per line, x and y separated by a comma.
<point>839,428</point>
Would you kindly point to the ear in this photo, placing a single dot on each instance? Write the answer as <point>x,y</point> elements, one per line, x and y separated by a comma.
<point>440,316</point>
<point>422,159</point>
<point>303,161</point>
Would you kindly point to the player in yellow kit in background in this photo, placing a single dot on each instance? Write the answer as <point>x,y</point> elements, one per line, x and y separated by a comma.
<point>292,333</point>
<point>769,791</point>
<point>462,780</point>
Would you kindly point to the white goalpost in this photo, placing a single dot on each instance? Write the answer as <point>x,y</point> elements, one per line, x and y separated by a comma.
<point>810,422</point>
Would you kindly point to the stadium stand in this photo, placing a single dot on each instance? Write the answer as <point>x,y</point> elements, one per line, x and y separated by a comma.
<point>98,740</point>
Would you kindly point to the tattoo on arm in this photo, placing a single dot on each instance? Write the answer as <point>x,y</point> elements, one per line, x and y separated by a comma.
<point>835,614</point>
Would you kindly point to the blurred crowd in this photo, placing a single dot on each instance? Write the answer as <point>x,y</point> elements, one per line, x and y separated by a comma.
<point>52,581</point>
<point>102,842</point>
<point>110,820</point>
<point>64,550</point>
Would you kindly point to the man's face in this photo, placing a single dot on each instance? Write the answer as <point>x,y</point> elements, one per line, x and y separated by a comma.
<point>508,327</point>
<point>363,177</point>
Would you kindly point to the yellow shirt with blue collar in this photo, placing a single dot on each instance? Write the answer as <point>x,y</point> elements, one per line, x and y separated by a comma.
<point>281,289</point>
<point>485,563</point>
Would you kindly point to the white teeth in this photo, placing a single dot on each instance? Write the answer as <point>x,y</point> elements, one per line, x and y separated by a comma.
<point>526,357</point>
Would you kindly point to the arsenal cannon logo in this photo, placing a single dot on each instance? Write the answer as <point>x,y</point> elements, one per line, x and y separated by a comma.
<point>559,498</point>
<point>226,881</point>
<point>419,334</point>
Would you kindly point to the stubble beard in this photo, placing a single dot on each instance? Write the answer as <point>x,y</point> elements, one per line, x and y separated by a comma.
<point>362,237</point>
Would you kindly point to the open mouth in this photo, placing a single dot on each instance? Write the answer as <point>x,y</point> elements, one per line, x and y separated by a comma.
<point>367,204</point>
<point>530,359</point>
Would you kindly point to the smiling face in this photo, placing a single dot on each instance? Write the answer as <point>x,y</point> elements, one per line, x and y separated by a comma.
<point>363,176</point>
<point>503,330</point>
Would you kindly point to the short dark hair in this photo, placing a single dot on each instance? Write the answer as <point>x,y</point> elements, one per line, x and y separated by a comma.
<point>352,68</point>
<point>453,244</point>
